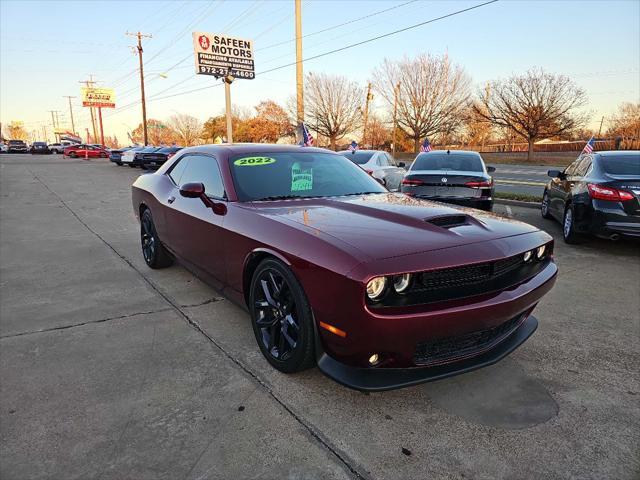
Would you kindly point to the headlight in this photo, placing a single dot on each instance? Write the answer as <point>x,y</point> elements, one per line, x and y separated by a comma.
<point>375,287</point>
<point>401,282</point>
<point>527,255</point>
<point>540,252</point>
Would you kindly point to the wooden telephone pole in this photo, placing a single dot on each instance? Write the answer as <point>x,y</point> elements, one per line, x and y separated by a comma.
<point>73,125</point>
<point>90,83</point>
<point>140,36</point>
<point>396,91</point>
<point>299,77</point>
<point>366,115</point>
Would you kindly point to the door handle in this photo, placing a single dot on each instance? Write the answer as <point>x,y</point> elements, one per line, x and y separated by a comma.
<point>171,199</point>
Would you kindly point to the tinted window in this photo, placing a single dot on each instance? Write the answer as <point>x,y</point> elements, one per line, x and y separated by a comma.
<point>357,157</point>
<point>621,165</point>
<point>443,161</point>
<point>583,166</point>
<point>204,169</point>
<point>298,174</point>
<point>570,170</point>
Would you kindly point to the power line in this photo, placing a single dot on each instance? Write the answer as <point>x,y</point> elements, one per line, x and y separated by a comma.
<point>338,25</point>
<point>330,52</point>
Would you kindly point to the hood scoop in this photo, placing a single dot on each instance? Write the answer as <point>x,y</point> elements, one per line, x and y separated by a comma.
<point>448,221</point>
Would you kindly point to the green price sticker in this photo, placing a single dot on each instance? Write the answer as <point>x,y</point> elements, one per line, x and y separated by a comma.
<point>254,161</point>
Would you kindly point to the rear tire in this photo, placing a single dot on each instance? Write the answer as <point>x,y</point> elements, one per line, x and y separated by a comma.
<point>103,155</point>
<point>281,317</point>
<point>544,206</point>
<point>568,226</point>
<point>131,165</point>
<point>153,252</point>
<point>73,154</point>
<point>119,164</point>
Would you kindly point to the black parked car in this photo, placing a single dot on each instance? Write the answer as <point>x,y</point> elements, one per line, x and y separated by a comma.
<point>116,155</point>
<point>40,147</point>
<point>157,158</point>
<point>17,146</point>
<point>459,177</point>
<point>597,194</point>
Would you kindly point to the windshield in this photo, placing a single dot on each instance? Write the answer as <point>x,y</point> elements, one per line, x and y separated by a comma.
<point>444,161</point>
<point>622,165</point>
<point>16,142</point>
<point>297,175</point>
<point>169,149</point>
<point>359,158</point>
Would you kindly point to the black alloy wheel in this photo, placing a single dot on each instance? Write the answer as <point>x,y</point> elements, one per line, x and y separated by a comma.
<point>154,253</point>
<point>544,206</point>
<point>281,317</point>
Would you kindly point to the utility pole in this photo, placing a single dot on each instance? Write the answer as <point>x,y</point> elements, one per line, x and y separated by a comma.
<point>90,83</point>
<point>53,122</point>
<point>366,114</point>
<point>144,105</point>
<point>396,90</point>
<point>299,77</point>
<point>601,122</point>
<point>73,125</point>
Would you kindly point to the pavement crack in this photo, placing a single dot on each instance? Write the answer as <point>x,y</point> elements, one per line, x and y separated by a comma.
<point>88,322</point>
<point>178,309</point>
<point>206,302</point>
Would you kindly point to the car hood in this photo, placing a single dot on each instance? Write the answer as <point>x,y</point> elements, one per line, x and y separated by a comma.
<point>390,225</point>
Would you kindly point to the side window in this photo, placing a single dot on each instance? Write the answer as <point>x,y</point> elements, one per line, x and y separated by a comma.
<point>381,160</point>
<point>570,170</point>
<point>178,169</point>
<point>204,169</point>
<point>583,166</point>
<point>392,161</point>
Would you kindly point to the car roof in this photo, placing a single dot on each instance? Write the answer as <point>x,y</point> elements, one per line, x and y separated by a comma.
<point>240,148</point>
<point>451,152</point>
<point>618,153</point>
<point>360,150</point>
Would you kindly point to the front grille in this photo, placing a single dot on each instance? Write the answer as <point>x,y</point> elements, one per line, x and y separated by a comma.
<point>454,283</point>
<point>449,349</point>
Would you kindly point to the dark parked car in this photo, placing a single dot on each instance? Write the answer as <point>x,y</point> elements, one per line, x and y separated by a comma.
<point>458,177</point>
<point>380,289</point>
<point>155,159</point>
<point>17,146</point>
<point>597,194</point>
<point>380,165</point>
<point>40,147</point>
<point>85,151</point>
<point>116,155</point>
<point>133,157</point>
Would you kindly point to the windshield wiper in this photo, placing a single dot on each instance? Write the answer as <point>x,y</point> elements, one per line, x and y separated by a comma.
<point>359,193</point>
<point>278,197</point>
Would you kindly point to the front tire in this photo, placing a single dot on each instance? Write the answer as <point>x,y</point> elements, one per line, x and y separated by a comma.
<point>153,252</point>
<point>281,317</point>
<point>73,154</point>
<point>544,206</point>
<point>568,226</point>
<point>103,155</point>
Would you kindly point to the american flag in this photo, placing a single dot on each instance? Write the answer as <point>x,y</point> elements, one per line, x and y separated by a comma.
<point>353,147</point>
<point>588,148</point>
<point>307,138</point>
<point>426,146</point>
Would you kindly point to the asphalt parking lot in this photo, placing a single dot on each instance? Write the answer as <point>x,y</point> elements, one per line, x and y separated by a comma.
<point>111,370</point>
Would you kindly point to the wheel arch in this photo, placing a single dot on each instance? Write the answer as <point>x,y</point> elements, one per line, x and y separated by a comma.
<point>251,263</point>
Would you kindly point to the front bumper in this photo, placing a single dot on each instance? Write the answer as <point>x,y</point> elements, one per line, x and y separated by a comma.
<point>380,379</point>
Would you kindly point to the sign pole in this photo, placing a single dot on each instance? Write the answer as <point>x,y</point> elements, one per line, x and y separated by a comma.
<point>299,75</point>
<point>227,99</point>
<point>101,130</point>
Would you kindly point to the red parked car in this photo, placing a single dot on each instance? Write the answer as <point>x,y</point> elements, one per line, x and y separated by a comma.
<point>381,290</point>
<point>88,151</point>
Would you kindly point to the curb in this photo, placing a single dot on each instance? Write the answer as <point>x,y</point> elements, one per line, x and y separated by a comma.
<point>517,203</point>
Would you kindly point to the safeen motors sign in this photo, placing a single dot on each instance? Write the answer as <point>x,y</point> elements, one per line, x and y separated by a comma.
<point>220,55</point>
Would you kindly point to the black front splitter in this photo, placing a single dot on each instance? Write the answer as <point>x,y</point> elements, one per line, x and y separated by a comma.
<point>380,379</point>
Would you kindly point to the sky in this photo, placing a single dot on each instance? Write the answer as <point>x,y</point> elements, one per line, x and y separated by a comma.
<point>48,47</point>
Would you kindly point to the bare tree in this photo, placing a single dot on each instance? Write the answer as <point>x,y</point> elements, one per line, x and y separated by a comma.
<point>432,96</point>
<point>333,105</point>
<point>625,125</point>
<point>533,105</point>
<point>188,129</point>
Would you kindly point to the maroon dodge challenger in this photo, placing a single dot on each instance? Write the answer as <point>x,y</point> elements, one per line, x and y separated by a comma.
<point>381,290</point>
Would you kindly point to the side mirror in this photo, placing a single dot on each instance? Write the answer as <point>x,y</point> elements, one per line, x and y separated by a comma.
<point>402,164</point>
<point>491,169</point>
<point>192,190</point>
<point>379,180</point>
<point>555,174</point>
